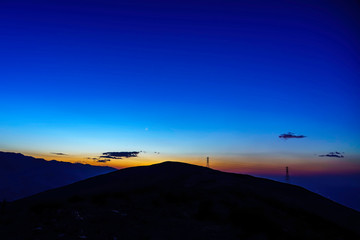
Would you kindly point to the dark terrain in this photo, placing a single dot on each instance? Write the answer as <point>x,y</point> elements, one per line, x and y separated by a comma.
<point>177,201</point>
<point>341,188</point>
<point>22,176</point>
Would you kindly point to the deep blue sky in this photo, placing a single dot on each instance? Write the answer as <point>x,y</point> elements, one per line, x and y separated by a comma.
<point>186,78</point>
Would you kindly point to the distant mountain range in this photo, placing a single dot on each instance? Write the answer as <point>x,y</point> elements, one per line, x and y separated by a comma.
<point>22,176</point>
<point>175,200</point>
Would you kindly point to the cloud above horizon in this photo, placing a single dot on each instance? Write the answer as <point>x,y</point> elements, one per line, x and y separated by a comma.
<point>102,160</point>
<point>59,153</point>
<point>108,156</point>
<point>119,155</point>
<point>333,154</point>
<point>290,135</point>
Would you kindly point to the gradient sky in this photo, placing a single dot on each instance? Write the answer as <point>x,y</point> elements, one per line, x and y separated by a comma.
<point>188,79</point>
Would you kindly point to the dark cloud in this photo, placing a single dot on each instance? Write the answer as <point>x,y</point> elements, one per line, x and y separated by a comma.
<point>108,156</point>
<point>333,154</point>
<point>119,155</point>
<point>58,153</point>
<point>290,135</point>
<point>102,160</point>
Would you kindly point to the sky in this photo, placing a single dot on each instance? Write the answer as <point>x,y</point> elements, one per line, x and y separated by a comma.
<point>183,80</point>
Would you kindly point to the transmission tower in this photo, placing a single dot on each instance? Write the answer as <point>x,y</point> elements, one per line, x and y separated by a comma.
<point>207,162</point>
<point>287,176</point>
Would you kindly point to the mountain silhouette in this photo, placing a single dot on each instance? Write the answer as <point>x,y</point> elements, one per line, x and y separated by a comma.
<point>173,200</point>
<point>22,176</point>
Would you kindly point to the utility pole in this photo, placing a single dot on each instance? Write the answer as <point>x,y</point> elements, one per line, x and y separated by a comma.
<point>207,162</point>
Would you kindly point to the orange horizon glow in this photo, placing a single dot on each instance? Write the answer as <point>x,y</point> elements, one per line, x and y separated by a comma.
<point>242,165</point>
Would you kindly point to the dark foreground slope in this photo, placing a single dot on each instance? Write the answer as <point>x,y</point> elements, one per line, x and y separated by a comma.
<point>177,201</point>
<point>22,176</point>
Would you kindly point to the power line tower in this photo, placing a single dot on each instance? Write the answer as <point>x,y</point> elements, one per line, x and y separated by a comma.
<point>207,162</point>
<point>287,176</point>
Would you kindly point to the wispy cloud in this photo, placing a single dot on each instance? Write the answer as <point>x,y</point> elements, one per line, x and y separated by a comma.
<point>290,135</point>
<point>119,155</point>
<point>108,156</point>
<point>58,153</point>
<point>102,160</point>
<point>333,154</point>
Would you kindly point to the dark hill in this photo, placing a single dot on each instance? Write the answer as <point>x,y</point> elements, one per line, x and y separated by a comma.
<point>177,201</point>
<point>22,176</point>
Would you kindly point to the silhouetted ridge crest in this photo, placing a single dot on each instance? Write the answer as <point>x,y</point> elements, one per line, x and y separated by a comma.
<point>181,196</point>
